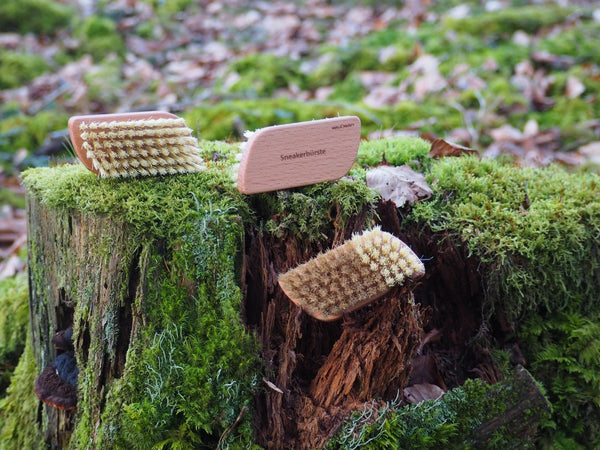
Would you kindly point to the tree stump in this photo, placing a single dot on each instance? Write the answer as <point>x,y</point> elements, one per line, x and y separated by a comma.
<point>157,301</point>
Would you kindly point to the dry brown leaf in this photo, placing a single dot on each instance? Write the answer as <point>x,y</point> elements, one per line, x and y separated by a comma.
<point>441,148</point>
<point>591,151</point>
<point>418,393</point>
<point>401,184</point>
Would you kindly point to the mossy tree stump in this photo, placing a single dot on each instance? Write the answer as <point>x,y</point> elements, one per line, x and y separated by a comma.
<point>148,274</point>
<point>171,283</point>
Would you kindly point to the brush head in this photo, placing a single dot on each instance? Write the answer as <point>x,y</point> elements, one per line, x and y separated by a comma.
<point>352,275</point>
<point>135,144</point>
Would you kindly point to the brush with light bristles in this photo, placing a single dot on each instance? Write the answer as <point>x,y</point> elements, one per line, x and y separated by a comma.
<point>135,144</point>
<point>352,275</point>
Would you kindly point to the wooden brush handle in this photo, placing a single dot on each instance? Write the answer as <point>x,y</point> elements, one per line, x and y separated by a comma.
<point>298,154</point>
<point>76,121</point>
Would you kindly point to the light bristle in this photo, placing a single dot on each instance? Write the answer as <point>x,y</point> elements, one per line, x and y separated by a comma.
<point>349,276</point>
<point>141,147</point>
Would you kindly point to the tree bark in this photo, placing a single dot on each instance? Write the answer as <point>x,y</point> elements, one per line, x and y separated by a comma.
<point>67,269</point>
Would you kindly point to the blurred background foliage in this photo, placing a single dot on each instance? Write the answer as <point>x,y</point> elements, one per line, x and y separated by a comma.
<point>470,71</point>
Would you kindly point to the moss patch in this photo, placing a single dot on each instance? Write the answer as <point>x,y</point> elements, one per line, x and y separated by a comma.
<point>536,229</point>
<point>451,421</point>
<point>191,371</point>
<point>18,68</point>
<point>18,410</point>
<point>14,323</point>
<point>34,16</point>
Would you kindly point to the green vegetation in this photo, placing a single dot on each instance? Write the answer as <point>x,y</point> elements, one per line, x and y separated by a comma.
<point>18,68</point>
<point>505,22</point>
<point>18,410</point>
<point>99,37</point>
<point>14,324</point>
<point>450,422</point>
<point>22,131</point>
<point>564,349</point>
<point>34,16</point>
<point>222,121</point>
<point>192,370</point>
<point>535,228</point>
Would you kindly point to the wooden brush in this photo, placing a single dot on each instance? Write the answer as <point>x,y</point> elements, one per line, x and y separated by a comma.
<point>135,144</point>
<point>298,154</point>
<point>352,275</point>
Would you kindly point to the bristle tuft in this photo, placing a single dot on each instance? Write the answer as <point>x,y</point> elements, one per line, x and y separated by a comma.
<point>351,275</point>
<point>141,147</point>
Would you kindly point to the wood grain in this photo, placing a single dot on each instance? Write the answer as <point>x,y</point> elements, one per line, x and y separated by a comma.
<point>298,154</point>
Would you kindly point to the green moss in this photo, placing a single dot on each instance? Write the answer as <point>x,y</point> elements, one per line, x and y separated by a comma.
<point>536,229</point>
<point>566,114</point>
<point>158,206</point>
<point>169,7</point>
<point>18,130</point>
<point>575,41</point>
<point>261,74</point>
<point>505,22</point>
<point>14,320</point>
<point>104,80</point>
<point>221,121</point>
<point>34,16</point>
<point>19,409</point>
<point>99,37</point>
<point>192,369</point>
<point>450,421</point>
<point>9,197</point>
<point>311,213</point>
<point>17,68</point>
<point>396,151</point>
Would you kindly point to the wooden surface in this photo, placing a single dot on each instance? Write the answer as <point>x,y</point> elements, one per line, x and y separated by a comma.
<point>298,154</point>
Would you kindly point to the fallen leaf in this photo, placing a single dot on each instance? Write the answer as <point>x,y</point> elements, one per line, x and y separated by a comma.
<point>559,62</point>
<point>418,393</point>
<point>574,87</point>
<point>401,184</point>
<point>591,151</point>
<point>441,148</point>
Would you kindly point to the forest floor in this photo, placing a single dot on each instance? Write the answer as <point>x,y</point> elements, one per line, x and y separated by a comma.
<point>506,78</point>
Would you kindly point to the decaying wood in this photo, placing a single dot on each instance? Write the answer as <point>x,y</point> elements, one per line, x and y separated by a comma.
<point>321,371</point>
<point>371,359</point>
